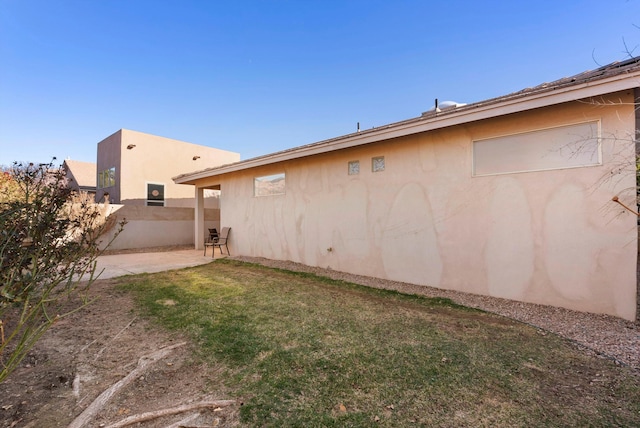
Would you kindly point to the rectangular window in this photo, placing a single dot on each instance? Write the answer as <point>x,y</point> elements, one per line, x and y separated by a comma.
<point>107,178</point>
<point>111,176</point>
<point>377,164</point>
<point>354,167</point>
<point>269,185</point>
<point>570,146</point>
<point>155,195</point>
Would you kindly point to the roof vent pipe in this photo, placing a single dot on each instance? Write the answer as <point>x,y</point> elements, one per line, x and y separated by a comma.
<point>442,106</point>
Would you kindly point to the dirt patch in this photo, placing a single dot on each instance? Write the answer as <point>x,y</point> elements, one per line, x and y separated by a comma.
<point>86,353</point>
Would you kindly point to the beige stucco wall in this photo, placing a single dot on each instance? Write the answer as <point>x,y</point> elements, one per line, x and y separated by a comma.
<point>156,159</point>
<point>155,226</point>
<point>549,237</point>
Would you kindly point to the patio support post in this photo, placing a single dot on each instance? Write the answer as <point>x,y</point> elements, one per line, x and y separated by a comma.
<point>199,218</point>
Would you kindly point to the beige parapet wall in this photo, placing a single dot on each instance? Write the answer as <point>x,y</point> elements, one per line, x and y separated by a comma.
<point>156,226</point>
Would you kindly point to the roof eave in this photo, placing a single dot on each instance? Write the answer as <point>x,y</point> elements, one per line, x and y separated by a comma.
<point>469,113</point>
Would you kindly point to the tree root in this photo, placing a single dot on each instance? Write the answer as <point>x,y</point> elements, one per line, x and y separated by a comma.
<point>188,419</point>
<point>76,386</point>
<point>90,412</point>
<point>142,417</point>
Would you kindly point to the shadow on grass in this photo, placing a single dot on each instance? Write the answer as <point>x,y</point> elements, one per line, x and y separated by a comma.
<point>305,350</point>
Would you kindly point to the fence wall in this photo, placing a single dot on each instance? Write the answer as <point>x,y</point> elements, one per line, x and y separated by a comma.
<point>156,226</point>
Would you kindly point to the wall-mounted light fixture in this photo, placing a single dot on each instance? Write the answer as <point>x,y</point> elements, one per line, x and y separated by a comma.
<point>130,146</point>
<point>196,157</point>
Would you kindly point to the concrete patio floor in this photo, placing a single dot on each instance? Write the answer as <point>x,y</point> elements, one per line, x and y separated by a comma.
<point>134,263</point>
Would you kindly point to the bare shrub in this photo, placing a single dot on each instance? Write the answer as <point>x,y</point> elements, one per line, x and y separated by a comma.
<point>49,243</point>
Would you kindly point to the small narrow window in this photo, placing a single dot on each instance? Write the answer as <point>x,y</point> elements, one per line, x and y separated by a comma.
<point>155,195</point>
<point>107,178</point>
<point>111,176</point>
<point>377,164</point>
<point>269,185</point>
<point>354,167</point>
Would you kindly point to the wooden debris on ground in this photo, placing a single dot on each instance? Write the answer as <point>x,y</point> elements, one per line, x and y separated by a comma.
<point>142,417</point>
<point>92,410</point>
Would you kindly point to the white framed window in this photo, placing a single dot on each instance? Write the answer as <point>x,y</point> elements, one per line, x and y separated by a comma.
<point>568,146</point>
<point>155,195</point>
<point>269,185</point>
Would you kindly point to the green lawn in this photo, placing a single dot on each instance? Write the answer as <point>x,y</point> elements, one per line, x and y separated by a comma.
<point>308,351</point>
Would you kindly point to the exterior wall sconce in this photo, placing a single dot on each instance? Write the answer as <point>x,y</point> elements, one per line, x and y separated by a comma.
<point>196,157</point>
<point>130,146</point>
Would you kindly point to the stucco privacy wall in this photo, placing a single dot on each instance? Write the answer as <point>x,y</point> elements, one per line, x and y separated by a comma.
<point>550,237</point>
<point>156,226</point>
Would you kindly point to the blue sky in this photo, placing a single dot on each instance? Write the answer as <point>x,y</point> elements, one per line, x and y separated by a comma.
<point>261,76</point>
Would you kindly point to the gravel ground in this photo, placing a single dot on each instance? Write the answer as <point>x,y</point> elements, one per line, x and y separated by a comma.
<point>604,335</point>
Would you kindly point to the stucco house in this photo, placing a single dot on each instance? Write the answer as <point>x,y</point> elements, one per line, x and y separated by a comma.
<point>135,168</point>
<point>509,197</point>
<point>81,175</point>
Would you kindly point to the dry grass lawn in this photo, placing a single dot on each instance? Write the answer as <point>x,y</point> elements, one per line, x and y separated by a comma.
<point>303,350</point>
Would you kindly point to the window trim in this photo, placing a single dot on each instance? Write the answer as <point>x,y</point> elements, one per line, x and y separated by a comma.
<point>598,148</point>
<point>259,192</point>
<point>353,167</point>
<point>378,164</point>
<point>155,202</point>
<point>106,178</point>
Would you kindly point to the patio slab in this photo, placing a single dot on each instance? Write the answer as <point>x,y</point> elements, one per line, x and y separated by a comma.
<point>134,263</point>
